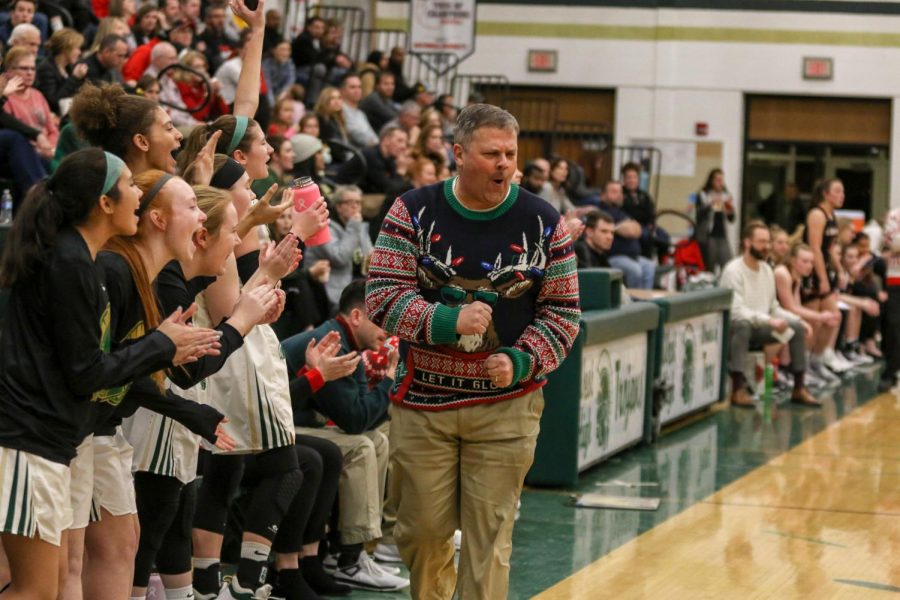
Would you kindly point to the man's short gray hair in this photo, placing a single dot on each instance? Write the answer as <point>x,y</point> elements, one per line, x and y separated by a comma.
<point>21,30</point>
<point>476,116</point>
<point>409,107</point>
<point>341,191</point>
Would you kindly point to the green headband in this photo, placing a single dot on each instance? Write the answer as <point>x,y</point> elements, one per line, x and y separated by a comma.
<point>240,128</point>
<point>114,166</point>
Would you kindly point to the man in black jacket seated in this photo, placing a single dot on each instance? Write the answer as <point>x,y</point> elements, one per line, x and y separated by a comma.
<point>593,247</point>
<point>379,166</point>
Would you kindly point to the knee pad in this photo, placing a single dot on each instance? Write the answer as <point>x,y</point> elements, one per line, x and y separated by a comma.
<point>276,461</point>
<point>175,555</point>
<point>287,489</point>
<point>221,482</point>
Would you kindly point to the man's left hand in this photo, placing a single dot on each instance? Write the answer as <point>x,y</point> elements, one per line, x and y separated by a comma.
<point>499,368</point>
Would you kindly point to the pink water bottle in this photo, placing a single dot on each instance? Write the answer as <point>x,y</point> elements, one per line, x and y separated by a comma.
<point>306,192</point>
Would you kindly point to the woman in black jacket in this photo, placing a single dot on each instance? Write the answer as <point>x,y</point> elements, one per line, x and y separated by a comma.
<point>60,74</point>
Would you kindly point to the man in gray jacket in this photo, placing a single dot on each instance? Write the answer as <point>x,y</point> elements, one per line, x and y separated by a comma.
<point>350,244</point>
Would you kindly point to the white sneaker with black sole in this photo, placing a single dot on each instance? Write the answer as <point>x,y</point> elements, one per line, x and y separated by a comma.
<point>365,574</point>
<point>387,553</point>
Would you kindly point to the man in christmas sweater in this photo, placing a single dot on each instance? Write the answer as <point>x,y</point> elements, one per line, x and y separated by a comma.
<point>477,277</point>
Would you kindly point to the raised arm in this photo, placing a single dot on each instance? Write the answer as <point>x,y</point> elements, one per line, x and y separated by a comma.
<point>246,96</point>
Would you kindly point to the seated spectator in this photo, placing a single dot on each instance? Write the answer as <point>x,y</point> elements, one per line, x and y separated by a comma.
<point>431,145</point>
<point>781,246</point>
<point>146,24</point>
<point>181,34</point>
<point>309,124</point>
<point>357,413</point>
<point>105,65</point>
<point>625,254</point>
<point>421,172</point>
<point>19,159</point>
<point>756,315</point>
<point>791,284</point>
<point>272,30</point>
<point>448,111</point>
<point>534,177</point>
<point>329,108</point>
<point>59,75</point>
<point>27,104</point>
<point>424,97</point>
<point>381,165</point>
<point>861,305</point>
<point>297,95</point>
<point>368,71</point>
<point>24,12</point>
<point>163,56</point>
<point>592,250</point>
<point>283,119</point>
<point>408,120</point>
<point>402,90</point>
<point>640,206</point>
<point>350,246</point>
<point>330,53</point>
<point>25,36</point>
<point>126,11</point>
<point>359,131</point>
<point>148,87</point>
<point>193,90</point>
<point>190,10</point>
<point>279,71</point>
<point>429,116</point>
<point>306,47</point>
<point>868,277</point>
<point>281,166</point>
<point>219,45</point>
<point>379,106</point>
<point>107,26</point>
<point>170,11</point>
<point>309,160</point>
<point>554,192</point>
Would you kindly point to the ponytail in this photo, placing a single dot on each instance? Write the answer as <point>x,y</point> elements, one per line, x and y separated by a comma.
<point>234,137</point>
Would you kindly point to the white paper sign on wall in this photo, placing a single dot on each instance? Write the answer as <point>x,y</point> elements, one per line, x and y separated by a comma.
<point>442,31</point>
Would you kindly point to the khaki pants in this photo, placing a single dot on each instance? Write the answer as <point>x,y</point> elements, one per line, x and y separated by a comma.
<point>461,468</point>
<point>389,514</point>
<point>361,487</point>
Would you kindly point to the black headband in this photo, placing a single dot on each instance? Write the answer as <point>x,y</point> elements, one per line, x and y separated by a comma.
<point>147,198</point>
<point>227,175</point>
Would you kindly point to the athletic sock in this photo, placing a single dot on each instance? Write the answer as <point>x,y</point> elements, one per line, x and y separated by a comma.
<point>182,593</point>
<point>207,579</point>
<point>319,579</point>
<point>349,554</point>
<point>737,381</point>
<point>251,571</point>
<point>292,586</point>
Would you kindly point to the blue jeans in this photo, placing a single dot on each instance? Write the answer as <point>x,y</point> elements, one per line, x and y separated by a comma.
<point>638,272</point>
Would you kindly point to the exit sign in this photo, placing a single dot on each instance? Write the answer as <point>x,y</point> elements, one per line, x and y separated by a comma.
<point>542,61</point>
<point>818,68</point>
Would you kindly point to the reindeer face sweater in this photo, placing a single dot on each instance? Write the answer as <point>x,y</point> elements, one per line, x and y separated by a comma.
<point>434,255</point>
